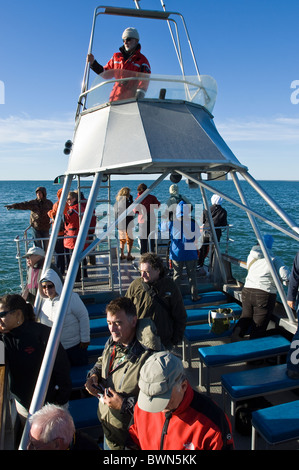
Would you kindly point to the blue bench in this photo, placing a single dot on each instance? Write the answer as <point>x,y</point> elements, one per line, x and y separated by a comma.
<point>242,351</point>
<point>205,298</point>
<point>96,346</point>
<point>195,333</point>
<point>84,412</point>
<point>201,314</point>
<point>96,310</point>
<point>276,424</point>
<point>98,325</point>
<point>255,382</point>
<point>79,374</point>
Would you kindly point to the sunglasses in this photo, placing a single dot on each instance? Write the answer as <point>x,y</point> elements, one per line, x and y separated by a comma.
<point>3,314</point>
<point>127,39</point>
<point>47,286</point>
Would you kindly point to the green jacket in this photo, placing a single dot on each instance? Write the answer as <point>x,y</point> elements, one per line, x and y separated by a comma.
<point>124,380</point>
<point>162,301</point>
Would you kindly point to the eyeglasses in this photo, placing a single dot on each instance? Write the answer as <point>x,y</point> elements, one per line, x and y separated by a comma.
<point>3,314</point>
<point>47,286</point>
<point>127,39</point>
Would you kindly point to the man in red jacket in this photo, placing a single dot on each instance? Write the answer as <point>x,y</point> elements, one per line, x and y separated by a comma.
<point>129,58</point>
<point>170,415</point>
<point>146,218</point>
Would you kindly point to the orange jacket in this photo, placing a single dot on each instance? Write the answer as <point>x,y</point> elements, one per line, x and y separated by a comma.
<point>53,211</point>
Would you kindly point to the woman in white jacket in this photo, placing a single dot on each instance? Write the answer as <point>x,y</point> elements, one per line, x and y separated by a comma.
<point>259,292</point>
<point>75,336</point>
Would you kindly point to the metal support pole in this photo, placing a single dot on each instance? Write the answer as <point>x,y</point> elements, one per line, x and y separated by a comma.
<point>238,204</point>
<point>265,252</point>
<point>54,337</point>
<point>271,202</point>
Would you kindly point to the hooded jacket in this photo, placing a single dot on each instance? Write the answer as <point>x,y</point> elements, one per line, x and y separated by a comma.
<point>259,275</point>
<point>39,208</point>
<point>71,226</point>
<point>76,327</point>
<point>123,378</point>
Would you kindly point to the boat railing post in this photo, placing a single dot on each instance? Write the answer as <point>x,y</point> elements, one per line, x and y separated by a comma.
<point>264,250</point>
<point>17,240</point>
<point>54,337</point>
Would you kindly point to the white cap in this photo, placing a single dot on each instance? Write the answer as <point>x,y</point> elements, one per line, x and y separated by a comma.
<point>35,250</point>
<point>130,33</point>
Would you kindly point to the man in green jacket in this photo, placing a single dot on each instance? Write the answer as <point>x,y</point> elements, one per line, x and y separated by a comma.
<point>39,219</point>
<point>114,377</point>
<point>156,296</point>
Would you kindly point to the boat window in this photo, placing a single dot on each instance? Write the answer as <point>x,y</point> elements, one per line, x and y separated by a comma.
<point>119,85</point>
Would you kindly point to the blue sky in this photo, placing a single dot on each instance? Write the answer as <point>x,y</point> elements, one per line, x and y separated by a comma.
<point>249,47</point>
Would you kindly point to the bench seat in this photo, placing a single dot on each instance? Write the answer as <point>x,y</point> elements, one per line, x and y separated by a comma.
<point>201,314</point>
<point>256,382</point>
<point>205,298</point>
<point>98,325</point>
<point>242,351</point>
<point>79,374</point>
<point>84,412</point>
<point>96,346</point>
<point>276,424</point>
<point>96,310</point>
<point>200,333</point>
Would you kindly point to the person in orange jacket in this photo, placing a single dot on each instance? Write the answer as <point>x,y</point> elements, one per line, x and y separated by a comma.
<point>129,58</point>
<point>59,247</point>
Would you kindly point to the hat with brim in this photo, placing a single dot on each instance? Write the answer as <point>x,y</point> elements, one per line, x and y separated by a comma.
<point>34,250</point>
<point>159,374</point>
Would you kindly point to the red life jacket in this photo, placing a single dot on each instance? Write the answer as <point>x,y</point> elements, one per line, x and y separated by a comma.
<point>137,62</point>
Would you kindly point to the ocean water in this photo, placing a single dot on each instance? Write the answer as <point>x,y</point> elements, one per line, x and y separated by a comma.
<point>285,193</point>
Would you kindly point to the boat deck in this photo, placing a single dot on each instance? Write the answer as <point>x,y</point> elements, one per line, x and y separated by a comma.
<point>128,272</point>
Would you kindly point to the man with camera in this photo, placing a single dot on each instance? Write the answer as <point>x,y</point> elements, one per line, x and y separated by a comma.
<point>114,377</point>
